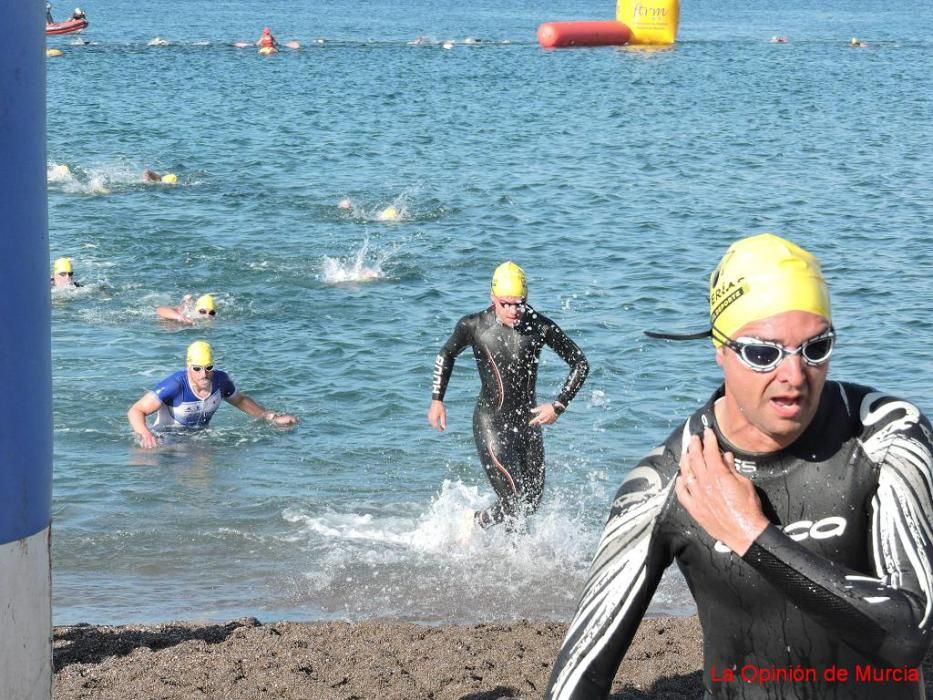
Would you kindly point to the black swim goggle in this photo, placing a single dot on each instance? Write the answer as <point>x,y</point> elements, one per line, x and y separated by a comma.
<point>763,355</point>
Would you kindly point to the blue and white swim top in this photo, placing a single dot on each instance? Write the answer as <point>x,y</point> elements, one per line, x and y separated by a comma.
<point>181,408</point>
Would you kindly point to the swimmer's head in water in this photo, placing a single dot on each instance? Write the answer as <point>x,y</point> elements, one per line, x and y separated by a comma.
<point>200,354</point>
<point>508,280</point>
<point>762,276</point>
<point>205,305</point>
<point>390,213</point>
<point>62,266</point>
<point>170,178</point>
<point>266,30</point>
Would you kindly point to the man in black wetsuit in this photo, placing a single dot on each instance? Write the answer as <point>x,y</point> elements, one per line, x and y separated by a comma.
<point>799,511</point>
<point>507,339</point>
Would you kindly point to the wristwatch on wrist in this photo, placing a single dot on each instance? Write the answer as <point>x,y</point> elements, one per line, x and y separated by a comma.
<point>559,407</point>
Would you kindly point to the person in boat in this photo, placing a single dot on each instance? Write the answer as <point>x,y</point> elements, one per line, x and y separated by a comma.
<point>63,274</point>
<point>189,398</point>
<point>153,176</point>
<point>267,41</point>
<point>798,509</point>
<point>507,339</point>
<point>48,13</point>
<point>189,309</point>
<point>78,14</point>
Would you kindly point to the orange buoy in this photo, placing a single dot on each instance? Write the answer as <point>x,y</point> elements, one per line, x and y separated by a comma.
<point>584,33</point>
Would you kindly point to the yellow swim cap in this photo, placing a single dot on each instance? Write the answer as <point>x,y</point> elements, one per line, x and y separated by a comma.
<point>205,301</point>
<point>509,281</point>
<point>170,178</point>
<point>51,53</point>
<point>62,265</point>
<point>200,353</point>
<point>759,277</point>
<point>388,214</point>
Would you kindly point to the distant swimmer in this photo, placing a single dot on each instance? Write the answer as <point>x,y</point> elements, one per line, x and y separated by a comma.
<point>857,43</point>
<point>189,310</point>
<point>390,213</point>
<point>779,39</point>
<point>190,397</point>
<point>59,172</point>
<point>345,203</point>
<point>799,511</point>
<point>157,41</point>
<point>153,176</point>
<point>507,339</point>
<point>267,41</point>
<point>63,274</point>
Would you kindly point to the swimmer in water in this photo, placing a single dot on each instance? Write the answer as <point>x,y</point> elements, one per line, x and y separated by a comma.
<point>779,40</point>
<point>390,213</point>
<point>507,339</point>
<point>857,43</point>
<point>267,41</point>
<point>190,397</point>
<point>63,274</point>
<point>59,172</point>
<point>799,510</point>
<point>153,176</point>
<point>189,310</point>
<point>345,203</point>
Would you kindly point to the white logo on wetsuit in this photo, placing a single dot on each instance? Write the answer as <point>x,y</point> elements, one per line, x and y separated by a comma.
<point>832,526</point>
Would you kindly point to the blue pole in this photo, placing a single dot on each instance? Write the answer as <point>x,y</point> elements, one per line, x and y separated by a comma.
<point>25,360</point>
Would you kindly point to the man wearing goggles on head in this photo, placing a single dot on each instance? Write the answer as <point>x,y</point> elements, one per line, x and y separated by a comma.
<point>507,339</point>
<point>189,398</point>
<point>799,511</point>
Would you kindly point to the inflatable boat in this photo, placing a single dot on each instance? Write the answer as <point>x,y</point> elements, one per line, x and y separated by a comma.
<point>66,27</point>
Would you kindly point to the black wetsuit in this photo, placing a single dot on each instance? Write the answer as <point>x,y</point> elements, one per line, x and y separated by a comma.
<point>512,452</point>
<point>841,579</point>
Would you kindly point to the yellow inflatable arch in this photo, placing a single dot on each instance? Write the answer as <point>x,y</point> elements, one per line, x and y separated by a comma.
<point>651,21</point>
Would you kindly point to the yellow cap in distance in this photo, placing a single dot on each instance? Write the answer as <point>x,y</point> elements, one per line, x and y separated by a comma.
<point>508,280</point>
<point>762,276</point>
<point>170,178</point>
<point>62,265</point>
<point>205,301</point>
<point>200,354</point>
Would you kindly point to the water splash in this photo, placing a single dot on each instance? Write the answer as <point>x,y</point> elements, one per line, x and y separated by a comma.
<point>355,268</point>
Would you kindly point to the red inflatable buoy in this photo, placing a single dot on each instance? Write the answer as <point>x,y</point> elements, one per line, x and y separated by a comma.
<point>586,33</point>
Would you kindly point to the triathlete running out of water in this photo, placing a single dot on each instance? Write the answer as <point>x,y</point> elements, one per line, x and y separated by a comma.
<point>507,339</point>
<point>798,510</point>
<point>189,398</point>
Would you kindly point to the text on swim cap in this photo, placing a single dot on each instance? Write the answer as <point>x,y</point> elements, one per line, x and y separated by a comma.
<point>721,298</point>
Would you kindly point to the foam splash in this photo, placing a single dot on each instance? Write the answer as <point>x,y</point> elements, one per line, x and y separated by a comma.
<point>95,180</point>
<point>353,269</point>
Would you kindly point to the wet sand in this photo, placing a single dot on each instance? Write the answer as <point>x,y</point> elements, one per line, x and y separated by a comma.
<point>376,659</point>
<point>382,660</point>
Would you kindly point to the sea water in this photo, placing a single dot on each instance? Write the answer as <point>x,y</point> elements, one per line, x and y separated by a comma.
<point>615,177</point>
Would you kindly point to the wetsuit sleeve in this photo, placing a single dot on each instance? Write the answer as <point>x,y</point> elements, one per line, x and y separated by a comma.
<point>886,616</point>
<point>629,562</point>
<point>570,353</point>
<point>444,362</point>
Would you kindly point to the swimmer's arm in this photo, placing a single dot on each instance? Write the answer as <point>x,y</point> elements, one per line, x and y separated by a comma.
<point>887,616</point>
<point>149,403</point>
<point>444,362</point>
<point>251,407</point>
<point>173,313</point>
<point>570,353</point>
<point>626,570</point>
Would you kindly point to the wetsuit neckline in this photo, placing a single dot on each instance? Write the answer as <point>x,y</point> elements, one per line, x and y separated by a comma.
<point>798,448</point>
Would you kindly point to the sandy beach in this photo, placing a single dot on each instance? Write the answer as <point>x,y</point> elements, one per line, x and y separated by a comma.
<point>374,659</point>
<point>336,660</point>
